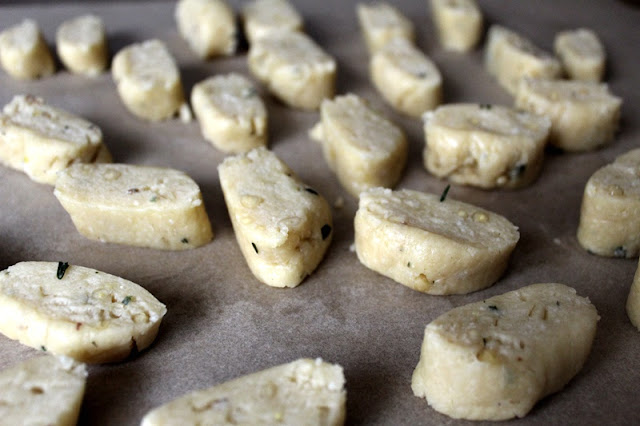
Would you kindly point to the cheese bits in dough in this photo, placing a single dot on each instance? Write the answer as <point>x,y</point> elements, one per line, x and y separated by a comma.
<point>294,68</point>
<point>408,80</point>
<point>380,22</point>
<point>44,390</point>
<point>487,146</point>
<point>41,140</point>
<point>584,116</point>
<point>135,205</point>
<point>362,147</point>
<point>303,392</point>
<point>231,113</point>
<point>283,227</point>
<point>494,359</point>
<point>208,26</point>
<point>581,53</point>
<point>459,23</point>
<point>148,80</point>
<point>610,213</point>
<point>509,57</point>
<point>24,53</point>
<point>429,245</point>
<point>82,45</point>
<point>71,310</point>
<point>262,17</point>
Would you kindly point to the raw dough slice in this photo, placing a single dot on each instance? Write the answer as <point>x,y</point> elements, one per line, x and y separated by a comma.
<point>283,227</point>
<point>406,78</point>
<point>44,390</point>
<point>303,392</point>
<point>633,301</point>
<point>493,360</point>
<point>24,53</point>
<point>362,147</point>
<point>82,45</point>
<point>459,23</point>
<point>294,68</point>
<point>80,312</point>
<point>485,145</point>
<point>610,213</point>
<point>208,26</point>
<point>135,205</point>
<point>509,57</point>
<point>266,16</point>
<point>584,115</point>
<point>231,114</point>
<point>432,246</point>
<point>148,80</point>
<point>41,140</point>
<point>381,22</point>
<point>581,53</point>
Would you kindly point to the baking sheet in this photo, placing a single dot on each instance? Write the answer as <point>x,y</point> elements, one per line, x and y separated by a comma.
<point>222,323</point>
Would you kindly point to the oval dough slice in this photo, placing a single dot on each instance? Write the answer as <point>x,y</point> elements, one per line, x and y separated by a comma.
<point>44,390</point>
<point>484,145</point>
<point>266,16</point>
<point>494,359</point>
<point>80,312</point>
<point>283,227</point>
<point>581,53</point>
<point>432,246</point>
<point>82,45</point>
<point>208,26</point>
<point>610,213</point>
<point>135,205</point>
<point>303,392</point>
<point>363,148</point>
<point>459,23</point>
<point>381,22</point>
<point>24,53</point>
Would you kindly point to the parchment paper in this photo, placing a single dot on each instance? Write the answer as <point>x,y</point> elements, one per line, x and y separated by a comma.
<point>222,323</point>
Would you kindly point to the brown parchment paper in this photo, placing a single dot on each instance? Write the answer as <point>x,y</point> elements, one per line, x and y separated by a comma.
<point>222,323</point>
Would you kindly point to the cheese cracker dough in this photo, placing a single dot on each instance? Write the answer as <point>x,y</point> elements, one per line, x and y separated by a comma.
<point>283,227</point>
<point>581,53</point>
<point>266,16</point>
<point>610,213</point>
<point>82,45</point>
<point>44,390</point>
<point>24,53</point>
<point>459,23</point>
<point>432,246</point>
<point>494,359</point>
<point>362,147</point>
<point>484,145</point>
<point>304,392</point>
<point>381,22</point>
<point>71,310</point>
<point>208,26</point>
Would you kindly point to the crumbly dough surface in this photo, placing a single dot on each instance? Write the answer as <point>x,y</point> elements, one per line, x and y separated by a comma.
<point>82,45</point>
<point>581,53</point>
<point>262,17</point>
<point>24,53</point>
<point>208,26</point>
<point>459,23</point>
<point>381,22</point>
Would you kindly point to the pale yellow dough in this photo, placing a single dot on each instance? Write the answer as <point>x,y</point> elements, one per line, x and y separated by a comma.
<point>459,23</point>
<point>262,17</point>
<point>581,53</point>
<point>208,26</point>
<point>82,313</point>
<point>432,246</point>
<point>24,53</point>
<point>302,393</point>
<point>135,205</point>
<point>494,359</point>
<point>381,22</point>
<point>82,45</point>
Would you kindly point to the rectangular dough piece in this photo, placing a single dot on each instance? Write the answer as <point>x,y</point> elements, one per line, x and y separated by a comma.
<point>82,45</point>
<point>361,146</point>
<point>24,53</point>
<point>208,26</point>
<point>283,227</point>
<point>381,22</point>
<point>262,17</point>
<point>459,23</point>
<point>41,140</point>
<point>581,53</point>
<point>135,205</point>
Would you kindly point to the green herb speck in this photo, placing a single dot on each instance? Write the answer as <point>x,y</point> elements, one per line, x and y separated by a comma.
<point>43,348</point>
<point>153,199</point>
<point>620,252</point>
<point>184,241</point>
<point>408,264</point>
<point>493,308</point>
<point>126,300</point>
<point>311,191</point>
<point>517,171</point>
<point>62,268</point>
<point>325,231</point>
<point>444,193</point>
<point>485,106</point>
<point>255,248</point>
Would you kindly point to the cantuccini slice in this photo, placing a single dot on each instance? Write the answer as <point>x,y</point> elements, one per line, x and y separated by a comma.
<point>208,26</point>
<point>24,53</point>
<point>262,17</point>
<point>82,45</point>
<point>459,23</point>
<point>381,22</point>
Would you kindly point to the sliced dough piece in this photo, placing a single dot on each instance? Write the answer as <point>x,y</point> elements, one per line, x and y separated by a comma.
<point>303,392</point>
<point>610,213</point>
<point>24,53</point>
<point>408,80</point>
<point>509,57</point>
<point>581,53</point>
<point>459,23</point>
<point>633,301</point>
<point>231,113</point>
<point>82,45</point>
<point>208,26</point>
<point>41,140</point>
<point>584,116</point>
<point>283,227</point>
<point>493,360</point>
<point>80,312</point>
<point>294,68</point>
<point>44,390</point>
<point>148,80</point>
<point>485,145</point>
<point>362,147</point>
<point>266,16</point>
<point>432,246</point>
<point>135,205</point>
<point>380,22</point>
